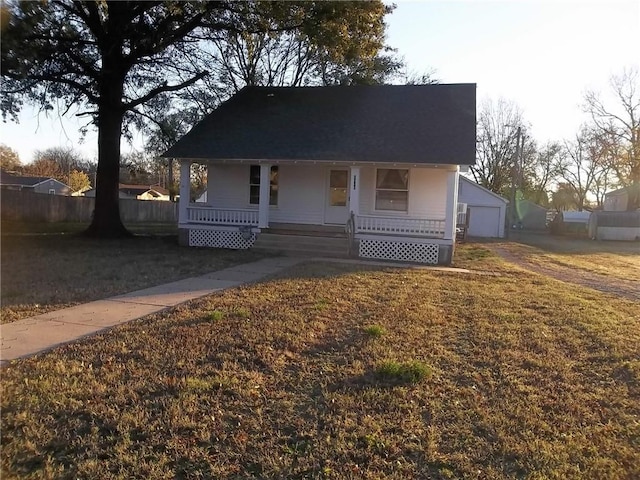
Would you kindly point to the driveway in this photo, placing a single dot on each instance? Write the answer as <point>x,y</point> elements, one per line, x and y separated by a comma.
<point>627,288</point>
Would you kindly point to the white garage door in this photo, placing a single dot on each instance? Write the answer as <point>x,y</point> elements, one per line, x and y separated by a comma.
<point>484,221</point>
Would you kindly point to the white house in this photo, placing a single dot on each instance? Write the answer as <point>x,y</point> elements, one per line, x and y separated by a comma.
<point>487,210</point>
<point>617,200</point>
<point>379,162</point>
<point>137,192</point>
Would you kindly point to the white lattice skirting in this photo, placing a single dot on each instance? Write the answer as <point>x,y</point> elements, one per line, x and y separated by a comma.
<point>221,239</point>
<point>402,251</point>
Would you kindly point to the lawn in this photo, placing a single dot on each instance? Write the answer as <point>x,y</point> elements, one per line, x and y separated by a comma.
<point>44,270</point>
<point>613,260</point>
<point>340,371</point>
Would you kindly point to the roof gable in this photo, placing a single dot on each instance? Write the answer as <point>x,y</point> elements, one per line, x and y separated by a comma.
<point>432,124</point>
<point>24,180</point>
<point>485,190</point>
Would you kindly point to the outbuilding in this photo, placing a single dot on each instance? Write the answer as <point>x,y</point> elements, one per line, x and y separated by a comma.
<point>487,210</point>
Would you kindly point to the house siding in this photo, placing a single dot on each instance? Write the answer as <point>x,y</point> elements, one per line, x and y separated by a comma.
<point>44,187</point>
<point>427,193</point>
<point>301,195</point>
<point>302,191</point>
<point>228,186</point>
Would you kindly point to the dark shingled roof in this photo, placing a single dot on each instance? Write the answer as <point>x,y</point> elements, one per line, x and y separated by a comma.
<point>7,178</point>
<point>430,124</point>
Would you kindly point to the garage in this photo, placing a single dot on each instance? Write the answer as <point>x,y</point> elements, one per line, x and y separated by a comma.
<point>487,210</point>
<point>484,221</point>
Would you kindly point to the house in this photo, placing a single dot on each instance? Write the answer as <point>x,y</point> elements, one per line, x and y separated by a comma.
<point>487,210</point>
<point>137,192</point>
<point>379,162</point>
<point>48,185</point>
<point>617,200</point>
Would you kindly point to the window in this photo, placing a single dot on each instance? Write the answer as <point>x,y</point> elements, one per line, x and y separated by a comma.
<point>254,185</point>
<point>338,183</point>
<point>52,191</point>
<point>392,189</point>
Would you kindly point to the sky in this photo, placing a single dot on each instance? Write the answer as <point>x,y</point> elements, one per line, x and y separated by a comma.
<point>543,55</point>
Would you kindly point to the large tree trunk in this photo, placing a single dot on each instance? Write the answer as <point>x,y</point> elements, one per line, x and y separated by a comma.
<point>106,221</point>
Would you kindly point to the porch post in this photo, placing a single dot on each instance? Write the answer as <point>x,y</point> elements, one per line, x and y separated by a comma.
<point>209,185</point>
<point>452,205</point>
<point>354,191</point>
<point>265,189</point>
<point>185,190</point>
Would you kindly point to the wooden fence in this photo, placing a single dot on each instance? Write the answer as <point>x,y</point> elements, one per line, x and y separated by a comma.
<point>38,207</point>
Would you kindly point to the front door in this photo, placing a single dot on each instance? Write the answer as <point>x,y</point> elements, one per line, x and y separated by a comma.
<point>336,209</point>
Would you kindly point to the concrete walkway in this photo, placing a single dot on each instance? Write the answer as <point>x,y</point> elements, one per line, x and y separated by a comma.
<point>43,332</point>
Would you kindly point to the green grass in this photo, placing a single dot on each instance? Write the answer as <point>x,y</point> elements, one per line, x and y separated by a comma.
<point>375,331</point>
<point>527,377</point>
<point>216,315</point>
<point>407,372</point>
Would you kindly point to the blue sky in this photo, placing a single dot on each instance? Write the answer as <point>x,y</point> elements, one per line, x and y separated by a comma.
<point>541,54</point>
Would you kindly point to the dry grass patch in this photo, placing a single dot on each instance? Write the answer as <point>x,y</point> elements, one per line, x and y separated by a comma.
<point>524,377</point>
<point>616,260</point>
<point>41,273</point>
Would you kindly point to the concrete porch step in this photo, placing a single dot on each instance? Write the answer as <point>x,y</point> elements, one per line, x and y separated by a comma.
<point>302,245</point>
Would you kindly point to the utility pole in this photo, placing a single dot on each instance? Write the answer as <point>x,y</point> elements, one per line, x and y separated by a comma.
<point>515,172</point>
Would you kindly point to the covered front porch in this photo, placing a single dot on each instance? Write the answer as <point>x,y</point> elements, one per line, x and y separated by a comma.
<point>403,213</point>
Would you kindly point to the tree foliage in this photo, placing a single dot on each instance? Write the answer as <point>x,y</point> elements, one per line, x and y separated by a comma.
<point>66,158</point>
<point>115,62</point>
<point>79,181</point>
<point>9,158</point>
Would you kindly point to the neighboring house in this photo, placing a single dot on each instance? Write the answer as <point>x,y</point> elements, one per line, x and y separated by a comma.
<point>138,192</point>
<point>381,162</point>
<point>487,211</point>
<point>48,185</point>
<point>617,200</point>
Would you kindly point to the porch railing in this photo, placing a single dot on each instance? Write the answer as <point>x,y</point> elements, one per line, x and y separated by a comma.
<point>220,216</point>
<point>399,226</point>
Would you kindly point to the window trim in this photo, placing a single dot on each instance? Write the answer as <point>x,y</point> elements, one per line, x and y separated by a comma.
<point>375,192</point>
<point>271,186</point>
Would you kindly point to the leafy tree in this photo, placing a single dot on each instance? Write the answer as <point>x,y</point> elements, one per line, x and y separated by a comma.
<point>345,46</point>
<point>45,167</point>
<point>110,59</point>
<point>66,158</point>
<point>9,158</point>
<point>79,181</point>
<point>618,128</point>
<point>564,197</point>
